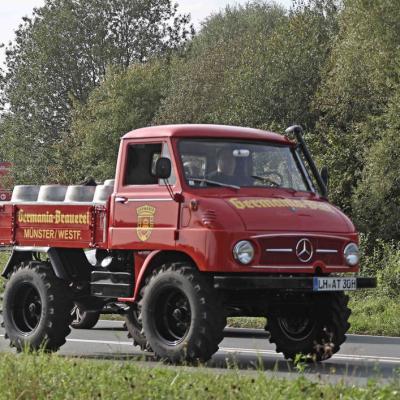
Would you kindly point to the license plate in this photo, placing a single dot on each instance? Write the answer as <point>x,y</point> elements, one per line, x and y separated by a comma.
<point>334,284</point>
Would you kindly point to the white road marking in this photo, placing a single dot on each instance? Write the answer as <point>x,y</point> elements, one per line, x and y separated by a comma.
<point>236,350</point>
<point>395,360</point>
<point>100,341</point>
<point>263,331</point>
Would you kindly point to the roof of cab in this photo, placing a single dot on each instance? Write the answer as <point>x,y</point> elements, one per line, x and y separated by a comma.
<point>206,131</point>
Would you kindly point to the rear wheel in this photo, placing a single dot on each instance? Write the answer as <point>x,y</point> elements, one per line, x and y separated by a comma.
<point>315,332</point>
<point>182,316</point>
<point>84,319</point>
<point>36,308</point>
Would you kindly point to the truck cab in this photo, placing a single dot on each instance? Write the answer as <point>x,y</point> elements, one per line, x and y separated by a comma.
<point>237,201</point>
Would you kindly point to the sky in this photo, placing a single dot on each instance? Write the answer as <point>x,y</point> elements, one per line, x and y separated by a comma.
<point>11,12</point>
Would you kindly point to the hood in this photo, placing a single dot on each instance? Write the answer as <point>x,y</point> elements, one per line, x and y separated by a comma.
<point>290,214</point>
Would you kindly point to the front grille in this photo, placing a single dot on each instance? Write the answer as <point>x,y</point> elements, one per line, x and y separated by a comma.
<point>281,251</point>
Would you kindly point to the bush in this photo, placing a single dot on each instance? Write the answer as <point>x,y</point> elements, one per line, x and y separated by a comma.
<point>382,259</point>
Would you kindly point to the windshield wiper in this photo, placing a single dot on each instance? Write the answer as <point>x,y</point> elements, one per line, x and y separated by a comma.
<point>202,180</point>
<point>266,179</point>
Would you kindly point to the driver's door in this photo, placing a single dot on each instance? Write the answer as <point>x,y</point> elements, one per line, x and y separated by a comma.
<point>144,216</point>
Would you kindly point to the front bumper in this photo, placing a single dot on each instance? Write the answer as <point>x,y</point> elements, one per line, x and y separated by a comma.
<point>295,284</point>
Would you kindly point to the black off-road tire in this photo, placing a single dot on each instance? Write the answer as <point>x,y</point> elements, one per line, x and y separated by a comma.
<point>36,308</point>
<point>84,319</point>
<point>133,322</point>
<point>317,334</point>
<point>182,314</point>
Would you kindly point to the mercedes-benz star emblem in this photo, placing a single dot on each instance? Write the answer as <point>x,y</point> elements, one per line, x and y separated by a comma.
<point>304,250</point>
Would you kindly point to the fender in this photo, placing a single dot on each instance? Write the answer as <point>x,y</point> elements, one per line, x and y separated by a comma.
<point>139,280</point>
<point>149,262</point>
<point>16,257</point>
<point>67,264</point>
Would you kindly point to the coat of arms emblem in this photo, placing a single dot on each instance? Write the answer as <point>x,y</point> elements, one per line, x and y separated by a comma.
<point>145,222</point>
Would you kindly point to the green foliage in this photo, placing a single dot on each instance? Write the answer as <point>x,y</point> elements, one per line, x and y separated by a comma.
<point>377,197</point>
<point>126,100</point>
<point>358,82</point>
<point>207,84</point>
<point>42,376</point>
<point>382,259</point>
<point>61,54</point>
<point>374,313</point>
<point>252,65</point>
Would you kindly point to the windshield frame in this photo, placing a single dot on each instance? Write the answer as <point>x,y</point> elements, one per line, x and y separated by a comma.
<point>293,148</point>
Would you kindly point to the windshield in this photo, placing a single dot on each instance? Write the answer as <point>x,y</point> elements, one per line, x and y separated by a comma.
<point>228,163</point>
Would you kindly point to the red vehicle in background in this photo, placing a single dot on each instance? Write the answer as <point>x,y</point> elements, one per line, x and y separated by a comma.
<point>5,181</point>
<point>202,222</point>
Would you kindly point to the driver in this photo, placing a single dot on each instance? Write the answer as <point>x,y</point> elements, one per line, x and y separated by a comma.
<point>226,165</point>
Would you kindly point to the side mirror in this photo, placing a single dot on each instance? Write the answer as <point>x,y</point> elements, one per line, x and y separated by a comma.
<point>163,168</point>
<point>325,176</point>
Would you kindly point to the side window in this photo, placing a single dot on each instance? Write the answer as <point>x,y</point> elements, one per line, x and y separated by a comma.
<point>141,162</point>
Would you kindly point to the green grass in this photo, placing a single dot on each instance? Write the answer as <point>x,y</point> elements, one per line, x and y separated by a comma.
<point>247,322</point>
<point>375,313</point>
<point>53,377</point>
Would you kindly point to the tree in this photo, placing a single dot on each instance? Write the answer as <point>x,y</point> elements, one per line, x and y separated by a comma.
<point>62,53</point>
<point>358,82</point>
<point>253,65</point>
<point>376,201</point>
<point>124,101</point>
<point>216,70</point>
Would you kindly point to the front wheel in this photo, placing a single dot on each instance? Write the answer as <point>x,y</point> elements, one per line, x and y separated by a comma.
<point>135,329</point>
<point>36,308</point>
<point>315,332</point>
<point>182,316</point>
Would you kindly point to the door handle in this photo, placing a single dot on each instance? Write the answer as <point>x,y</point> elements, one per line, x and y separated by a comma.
<point>120,199</point>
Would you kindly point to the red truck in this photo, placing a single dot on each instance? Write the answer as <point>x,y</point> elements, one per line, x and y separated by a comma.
<point>201,223</point>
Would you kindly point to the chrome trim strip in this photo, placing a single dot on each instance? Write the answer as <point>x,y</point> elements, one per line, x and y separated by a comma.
<point>300,234</point>
<point>43,249</point>
<point>52,203</point>
<point>327,251</point>
<point>285,267</point>
<point>296,267</point>
<point>279,250</point>
<point>140,200</point>
<point>104,228</point>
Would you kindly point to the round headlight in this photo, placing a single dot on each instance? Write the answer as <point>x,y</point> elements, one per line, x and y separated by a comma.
<point>351,254</point>
<point>243,252</point>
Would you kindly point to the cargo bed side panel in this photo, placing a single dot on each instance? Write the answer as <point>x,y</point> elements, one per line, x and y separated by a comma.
<point>57,225</point>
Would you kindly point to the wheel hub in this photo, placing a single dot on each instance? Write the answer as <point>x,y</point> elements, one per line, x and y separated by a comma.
<point>297,328</point>
<point>27,308</point>
<point>177,314</point>
<point>32,308</point>
<point>173,317</point>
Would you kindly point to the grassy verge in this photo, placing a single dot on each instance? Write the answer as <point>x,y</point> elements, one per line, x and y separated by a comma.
<point>374,313</point>
<point>45,377</point>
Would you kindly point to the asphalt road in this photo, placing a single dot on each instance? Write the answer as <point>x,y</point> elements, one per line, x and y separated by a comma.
<point>360,358</point>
